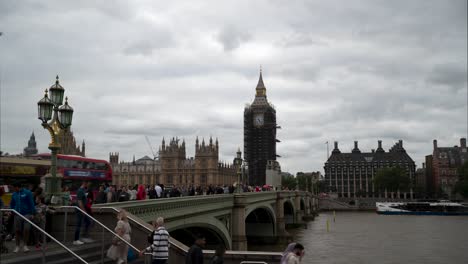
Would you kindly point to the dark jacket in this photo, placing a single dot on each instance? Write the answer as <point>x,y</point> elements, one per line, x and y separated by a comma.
<point>101,197</point>
<point>194,255</point>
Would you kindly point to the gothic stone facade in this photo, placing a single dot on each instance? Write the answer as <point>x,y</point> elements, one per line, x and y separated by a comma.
<point>31,149</point>
<point>68,144</point>
<point>352,174</point>
<point>173,168</point>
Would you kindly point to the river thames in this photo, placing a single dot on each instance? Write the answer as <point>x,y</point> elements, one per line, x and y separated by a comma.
<point>366,237</point>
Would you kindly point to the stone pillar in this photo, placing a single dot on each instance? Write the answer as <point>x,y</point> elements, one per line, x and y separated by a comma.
<point>297,205</point>
<point>280,224</point>
<point>239,239</point>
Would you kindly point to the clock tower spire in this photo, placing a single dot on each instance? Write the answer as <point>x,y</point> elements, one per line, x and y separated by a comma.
<point>259,135</point>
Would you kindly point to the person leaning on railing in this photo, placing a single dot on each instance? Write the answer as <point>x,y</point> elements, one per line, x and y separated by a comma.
<point>159,243</point>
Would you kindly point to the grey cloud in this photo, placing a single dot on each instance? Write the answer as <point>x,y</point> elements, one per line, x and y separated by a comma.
<point>231,37</point>
<point>149,41</point>
<point>335,70</point>
<point>453,75</point>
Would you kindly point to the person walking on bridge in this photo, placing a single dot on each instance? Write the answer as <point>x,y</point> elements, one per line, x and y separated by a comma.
<point>195,254</point>
<point>160,245</point>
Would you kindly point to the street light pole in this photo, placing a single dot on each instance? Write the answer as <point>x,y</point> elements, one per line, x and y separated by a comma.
<point>238,163</point>
<point>62,119</point>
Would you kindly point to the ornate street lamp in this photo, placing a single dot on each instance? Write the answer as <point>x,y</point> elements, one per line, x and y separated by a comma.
<point>239,174</point>
<point>61,119</point>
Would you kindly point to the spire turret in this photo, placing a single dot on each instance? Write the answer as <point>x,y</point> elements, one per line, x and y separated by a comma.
<point>261,89</point>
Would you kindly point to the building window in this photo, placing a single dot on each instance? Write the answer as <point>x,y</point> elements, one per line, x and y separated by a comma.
<point>169,179</point>
<point>203,179</point>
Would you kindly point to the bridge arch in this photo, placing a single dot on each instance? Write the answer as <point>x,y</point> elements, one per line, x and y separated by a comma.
<point>289,212</point>
<point>213,229</point>
<point>260,224</point>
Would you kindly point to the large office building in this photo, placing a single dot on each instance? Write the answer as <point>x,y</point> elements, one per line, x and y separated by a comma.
<point>259,135</point>
<point>351,174</point>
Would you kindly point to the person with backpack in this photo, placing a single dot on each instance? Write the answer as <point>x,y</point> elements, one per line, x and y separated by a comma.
<point>159,243</point>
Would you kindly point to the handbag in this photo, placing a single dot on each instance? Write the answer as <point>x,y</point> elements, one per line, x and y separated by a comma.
<point>112,252</point>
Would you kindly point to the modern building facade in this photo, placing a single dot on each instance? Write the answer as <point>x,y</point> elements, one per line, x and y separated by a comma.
<point>174,168</point>
<point>442,167</point>
<point>31,149</point>
<point>352,174</point>
<point>259,135</point>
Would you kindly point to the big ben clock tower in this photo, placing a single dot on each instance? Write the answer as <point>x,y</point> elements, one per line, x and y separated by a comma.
<point>259,135</point>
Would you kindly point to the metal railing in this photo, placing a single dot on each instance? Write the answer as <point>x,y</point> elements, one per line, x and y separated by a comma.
<point>138,224</point>
<point>253,262</point>
<point>43,233</point>
<point>102,233</point>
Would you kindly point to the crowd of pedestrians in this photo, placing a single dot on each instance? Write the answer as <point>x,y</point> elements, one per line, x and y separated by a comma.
<point>112,193</point>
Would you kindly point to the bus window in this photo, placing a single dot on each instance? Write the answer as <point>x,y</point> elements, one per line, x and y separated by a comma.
<point>101,166</point>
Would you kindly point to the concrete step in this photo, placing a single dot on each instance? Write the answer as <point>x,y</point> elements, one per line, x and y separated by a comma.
<point>55,254</point>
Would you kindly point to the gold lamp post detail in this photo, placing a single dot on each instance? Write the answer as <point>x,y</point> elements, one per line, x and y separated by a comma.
<point>61,119</point>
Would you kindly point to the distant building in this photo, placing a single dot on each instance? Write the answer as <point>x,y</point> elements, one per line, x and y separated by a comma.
<point>31,149</point>
<point>352,174</point>
<point>174,168</point>
<point>68,144</point>
<point>259,135</point>
<point>273,174</point>
<point>442,167</point>
<point>420,180</point>
<point>142,171</point>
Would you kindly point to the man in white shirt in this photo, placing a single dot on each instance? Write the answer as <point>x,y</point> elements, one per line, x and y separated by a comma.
<point>158,190</point>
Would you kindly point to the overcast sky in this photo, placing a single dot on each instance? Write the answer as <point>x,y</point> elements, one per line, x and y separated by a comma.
<point>334,70</point>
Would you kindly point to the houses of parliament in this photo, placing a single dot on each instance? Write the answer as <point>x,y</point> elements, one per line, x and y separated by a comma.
<point>174,168</point>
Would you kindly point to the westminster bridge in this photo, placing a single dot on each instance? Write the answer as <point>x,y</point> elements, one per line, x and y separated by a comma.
<point>231,219</point>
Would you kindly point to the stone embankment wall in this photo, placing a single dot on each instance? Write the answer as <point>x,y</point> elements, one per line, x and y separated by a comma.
<point>353,204</point>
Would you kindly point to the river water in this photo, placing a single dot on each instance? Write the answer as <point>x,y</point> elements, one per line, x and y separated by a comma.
<point>366,237</point>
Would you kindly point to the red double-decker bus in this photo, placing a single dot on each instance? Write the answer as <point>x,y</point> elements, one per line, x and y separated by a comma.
<point>76,169</point>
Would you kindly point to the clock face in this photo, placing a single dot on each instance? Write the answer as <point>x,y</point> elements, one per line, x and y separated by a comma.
<point>258,120</point>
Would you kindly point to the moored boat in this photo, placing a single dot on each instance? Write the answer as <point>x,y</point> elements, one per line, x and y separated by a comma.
<point>422,208</point>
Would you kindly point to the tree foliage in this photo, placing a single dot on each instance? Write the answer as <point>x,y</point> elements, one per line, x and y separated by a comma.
<point>392,179</point>
<point>462,185</point>
<point>288,182</point>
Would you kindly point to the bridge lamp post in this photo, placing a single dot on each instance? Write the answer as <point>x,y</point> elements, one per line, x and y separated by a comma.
<point>239,174</point>
<point>61,119</point>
